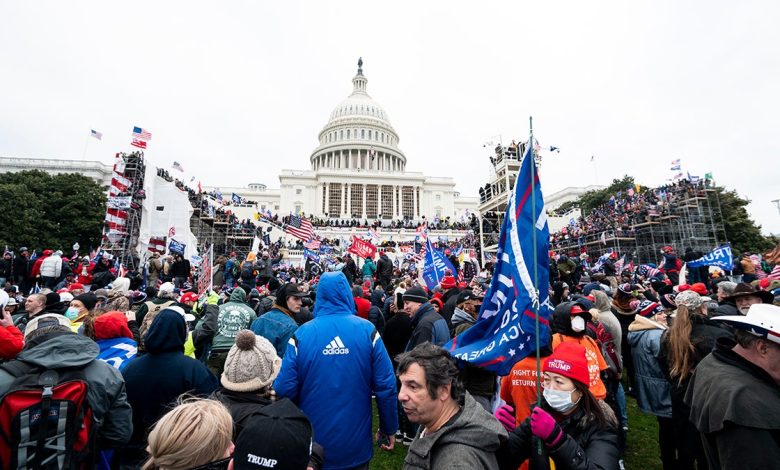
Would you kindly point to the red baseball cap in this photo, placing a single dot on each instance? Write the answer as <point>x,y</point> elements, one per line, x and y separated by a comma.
<point>76,286</point>
<point>568,359</point>
<point>188,297</point>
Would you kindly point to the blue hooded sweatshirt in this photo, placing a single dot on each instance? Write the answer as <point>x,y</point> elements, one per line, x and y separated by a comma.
<point>332,366</point>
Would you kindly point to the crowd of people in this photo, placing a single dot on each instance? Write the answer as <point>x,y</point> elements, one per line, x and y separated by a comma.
<point>625,209</point>
<point>277,366</point>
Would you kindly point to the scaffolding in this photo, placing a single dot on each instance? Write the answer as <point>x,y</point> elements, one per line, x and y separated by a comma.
<point>694,220</point>
<point>220,228</point>
<point>123,244</point>
<point>494,197</point>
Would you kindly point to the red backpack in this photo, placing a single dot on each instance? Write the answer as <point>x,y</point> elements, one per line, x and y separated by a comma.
<point>66,439</point>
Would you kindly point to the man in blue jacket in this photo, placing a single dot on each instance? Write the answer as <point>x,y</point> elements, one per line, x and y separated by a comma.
<point>332,366</point>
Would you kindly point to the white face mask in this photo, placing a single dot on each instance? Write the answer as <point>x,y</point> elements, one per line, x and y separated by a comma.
<point>578,324</point>
<point>559,400</point>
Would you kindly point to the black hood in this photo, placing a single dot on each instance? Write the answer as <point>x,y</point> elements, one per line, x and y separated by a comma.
<point>561,320</point>
<point>167,333</point>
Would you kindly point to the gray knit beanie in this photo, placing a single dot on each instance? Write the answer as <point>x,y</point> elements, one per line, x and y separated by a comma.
<point>251,364</point>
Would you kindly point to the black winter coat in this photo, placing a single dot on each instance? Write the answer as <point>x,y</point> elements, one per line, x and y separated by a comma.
<point>6,266</point>
<point>704,334</point>
<point>181,268</point>
<point>384,268</point>
<point>241,405</point>
<point>450,301</point>
<point>586,446</point>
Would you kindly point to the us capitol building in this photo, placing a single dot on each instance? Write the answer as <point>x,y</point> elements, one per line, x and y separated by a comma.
<point>358,171</point>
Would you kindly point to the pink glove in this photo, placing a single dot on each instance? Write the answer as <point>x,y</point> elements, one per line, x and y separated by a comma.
<point>505,414</point>
<point>544,427</point>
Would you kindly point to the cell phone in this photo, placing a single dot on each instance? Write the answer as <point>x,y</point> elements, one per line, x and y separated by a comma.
<point>384,440</point>
<point>399,301</point>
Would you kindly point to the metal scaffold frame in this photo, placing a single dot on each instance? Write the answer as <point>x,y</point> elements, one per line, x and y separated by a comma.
<point>125,247</point>
<point>494,196</point>
<point>215,227</point>
<point>694,221</point>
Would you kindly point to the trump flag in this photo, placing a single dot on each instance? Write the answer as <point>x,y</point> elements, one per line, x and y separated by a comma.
<point>505,331</point>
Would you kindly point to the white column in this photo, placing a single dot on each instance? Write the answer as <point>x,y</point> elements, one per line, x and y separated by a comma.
<point>395,204</point>
<point>364,202</point>
<point>327,199</point>
<point>379,200</point>
<point>414,201</point>
<point>349,200</point>
<point>401,202</point>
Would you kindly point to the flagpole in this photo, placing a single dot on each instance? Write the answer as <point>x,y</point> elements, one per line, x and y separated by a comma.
<point>86,145</point>
<point>536,271</point>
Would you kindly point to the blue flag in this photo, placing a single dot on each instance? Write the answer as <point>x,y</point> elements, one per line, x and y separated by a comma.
<point>311,255</point>
<point>235,198</point>
<point>720,257</point>
<point>176,247</point>
<point>505,331</point>
<point>436,264</point>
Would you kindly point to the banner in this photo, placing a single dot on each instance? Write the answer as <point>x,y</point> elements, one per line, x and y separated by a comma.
<point>518,297</point>
<point>119,202</point>
<point>720,257</point>
<point>308,254</point>
<point>204,280</point>
<point>362,248</point>
<point>176,247</point>
<point>435,266</point>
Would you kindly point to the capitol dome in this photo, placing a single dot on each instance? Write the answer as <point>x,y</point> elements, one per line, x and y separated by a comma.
<point>358,135</point>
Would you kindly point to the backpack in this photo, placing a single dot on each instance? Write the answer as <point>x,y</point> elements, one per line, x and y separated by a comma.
<point>153,310</point>
<point>248,270</point>
<point>606,343</point>
<point>66,440</point>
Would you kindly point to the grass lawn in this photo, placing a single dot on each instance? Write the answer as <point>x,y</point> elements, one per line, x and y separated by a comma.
<point>642,452</point>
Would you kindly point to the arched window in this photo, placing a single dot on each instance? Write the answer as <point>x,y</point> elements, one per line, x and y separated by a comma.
<point>347,133</point>
<point>341,135</point>
<point>362,133</point>
<point>369,134</point>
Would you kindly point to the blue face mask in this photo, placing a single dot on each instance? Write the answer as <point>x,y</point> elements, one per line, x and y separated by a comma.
<point>72,313</point>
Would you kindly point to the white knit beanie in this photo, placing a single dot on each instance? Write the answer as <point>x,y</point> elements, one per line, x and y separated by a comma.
<point>251,364</point>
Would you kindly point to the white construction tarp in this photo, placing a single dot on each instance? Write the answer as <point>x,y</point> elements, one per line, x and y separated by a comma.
<point>165,206</point>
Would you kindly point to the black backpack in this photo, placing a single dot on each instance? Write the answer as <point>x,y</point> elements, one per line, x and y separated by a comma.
<point>66,439</point>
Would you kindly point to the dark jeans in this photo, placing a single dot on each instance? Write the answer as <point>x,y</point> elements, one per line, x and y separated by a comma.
<point>666,443</point>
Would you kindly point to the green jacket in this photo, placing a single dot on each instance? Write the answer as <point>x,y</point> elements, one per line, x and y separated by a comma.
<point>234,315</point>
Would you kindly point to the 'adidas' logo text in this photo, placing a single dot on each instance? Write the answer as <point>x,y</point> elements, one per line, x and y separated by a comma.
<point>335,347</point>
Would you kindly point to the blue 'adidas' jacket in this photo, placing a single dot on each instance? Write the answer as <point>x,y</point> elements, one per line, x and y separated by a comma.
<point>332,366</point>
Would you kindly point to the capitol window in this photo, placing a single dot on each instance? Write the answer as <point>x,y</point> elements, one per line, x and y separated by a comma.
<point>369,134</point>
<point>347,133</point>
<point>362,133</point>
<point>298,191</point>
<point>341,135</point>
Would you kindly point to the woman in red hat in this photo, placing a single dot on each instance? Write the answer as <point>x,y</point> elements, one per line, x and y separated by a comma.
<point>576,430</point>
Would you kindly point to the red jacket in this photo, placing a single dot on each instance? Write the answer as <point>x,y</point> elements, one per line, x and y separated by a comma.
<point>363,306</point>
<point>11,342</point>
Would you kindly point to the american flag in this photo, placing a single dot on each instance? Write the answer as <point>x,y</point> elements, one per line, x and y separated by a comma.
<point>177,166</point>
<point>313,244</point>
<point>141,134</point>
<point>775,274</point>
<point>299,227</point>
<point>96,134</point>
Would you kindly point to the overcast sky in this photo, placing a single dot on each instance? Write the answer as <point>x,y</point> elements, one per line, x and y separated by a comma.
<point>236,91</point>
